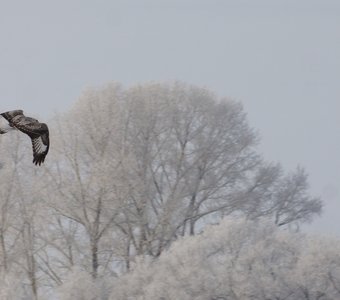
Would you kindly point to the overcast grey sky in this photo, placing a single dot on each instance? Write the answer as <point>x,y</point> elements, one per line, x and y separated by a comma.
<point>280,58</point>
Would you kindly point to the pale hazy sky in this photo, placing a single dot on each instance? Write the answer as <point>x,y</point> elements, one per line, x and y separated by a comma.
<point>280,58</point>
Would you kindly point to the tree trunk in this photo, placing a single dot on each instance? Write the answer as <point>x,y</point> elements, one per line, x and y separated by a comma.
<point>192,227</point>
<point>94,256</point>
<point>4,251</point>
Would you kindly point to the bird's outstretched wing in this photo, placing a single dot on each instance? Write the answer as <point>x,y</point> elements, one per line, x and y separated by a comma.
<point>40,147</point>
<point>38,132</point>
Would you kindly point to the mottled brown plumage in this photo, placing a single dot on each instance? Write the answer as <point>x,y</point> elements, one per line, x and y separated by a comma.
<point>38,132</point>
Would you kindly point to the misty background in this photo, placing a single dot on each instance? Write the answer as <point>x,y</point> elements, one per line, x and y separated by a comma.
<point>279,58</point>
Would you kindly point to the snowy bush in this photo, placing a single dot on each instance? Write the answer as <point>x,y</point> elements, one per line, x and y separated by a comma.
<point>238,259</point>
<point>79,286</point>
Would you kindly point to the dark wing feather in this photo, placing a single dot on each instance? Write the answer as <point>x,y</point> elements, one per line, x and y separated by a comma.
<point>40,148</point>
<point>39,134</point>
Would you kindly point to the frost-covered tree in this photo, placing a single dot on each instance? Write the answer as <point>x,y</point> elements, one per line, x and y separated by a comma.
<point>238,259</point>
<point>158,161</point>
<point>85,181</point>
<point>21,211</point>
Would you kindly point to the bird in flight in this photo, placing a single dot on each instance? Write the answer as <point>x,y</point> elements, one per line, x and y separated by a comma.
<point>38,132</point>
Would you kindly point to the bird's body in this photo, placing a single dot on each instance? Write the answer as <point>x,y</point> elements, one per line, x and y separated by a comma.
<point>38,132</point>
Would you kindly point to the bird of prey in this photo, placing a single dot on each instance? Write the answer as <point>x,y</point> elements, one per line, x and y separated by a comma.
<point>38,132</point>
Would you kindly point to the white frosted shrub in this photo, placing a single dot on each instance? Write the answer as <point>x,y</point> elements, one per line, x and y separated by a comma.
<point>237,259</point>
<point>78,285</point>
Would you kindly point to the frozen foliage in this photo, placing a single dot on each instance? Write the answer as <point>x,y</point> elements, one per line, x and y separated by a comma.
<point>238,259</point>
<point>12,287</point>
<point>78,286</point>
